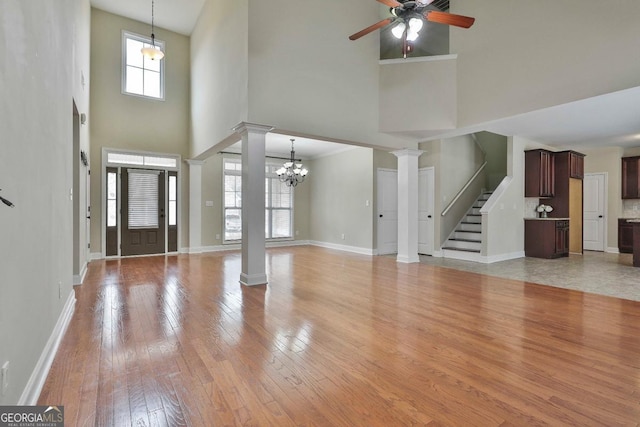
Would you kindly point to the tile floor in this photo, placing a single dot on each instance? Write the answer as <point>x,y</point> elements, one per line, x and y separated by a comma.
<point>594,272</point>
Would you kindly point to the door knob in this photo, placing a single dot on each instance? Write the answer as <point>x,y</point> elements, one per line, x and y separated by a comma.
<point>599,216</point>
<point>428,216</point>
<point>380,215</point>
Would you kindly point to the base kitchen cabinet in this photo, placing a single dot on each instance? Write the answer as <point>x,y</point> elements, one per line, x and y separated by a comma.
<point>546,237</point>
<point>625,236</point>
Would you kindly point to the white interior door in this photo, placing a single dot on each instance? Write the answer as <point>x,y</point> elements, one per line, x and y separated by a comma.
<point>594,211</point>
<point>387,211</point>
<point>426,191</point>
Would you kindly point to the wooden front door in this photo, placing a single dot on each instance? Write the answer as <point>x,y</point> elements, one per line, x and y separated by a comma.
<point>143,217</point>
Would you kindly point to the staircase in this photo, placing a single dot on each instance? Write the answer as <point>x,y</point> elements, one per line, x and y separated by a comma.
<point>466,240</point>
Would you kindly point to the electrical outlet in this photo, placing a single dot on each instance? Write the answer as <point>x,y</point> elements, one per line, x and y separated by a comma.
<point>4,374</point>
<point>217,237</point>
<point>59,290</point>
<point>342,236</point>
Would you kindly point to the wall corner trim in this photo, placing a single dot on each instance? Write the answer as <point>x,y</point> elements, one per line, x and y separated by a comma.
<point>36,381</point>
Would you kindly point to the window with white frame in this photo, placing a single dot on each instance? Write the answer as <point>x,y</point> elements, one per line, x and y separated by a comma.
<point>140,75</point>
<point>278,203</point>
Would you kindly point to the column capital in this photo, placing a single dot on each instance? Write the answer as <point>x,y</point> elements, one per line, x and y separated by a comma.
<point>244,127</point>
<point>407,152</point>
<point>194,162</point>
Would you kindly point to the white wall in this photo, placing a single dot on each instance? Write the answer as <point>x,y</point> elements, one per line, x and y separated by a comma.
<point>521,55</point>
<point>44,51</point>
<point>219,65</point>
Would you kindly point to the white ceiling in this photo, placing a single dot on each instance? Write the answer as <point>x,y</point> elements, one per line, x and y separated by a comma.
<point>610,119</point>
<point>279,145</point>
<point>175,15</point>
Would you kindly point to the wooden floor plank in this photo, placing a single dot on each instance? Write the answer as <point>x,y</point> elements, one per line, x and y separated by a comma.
<point>338,339</point>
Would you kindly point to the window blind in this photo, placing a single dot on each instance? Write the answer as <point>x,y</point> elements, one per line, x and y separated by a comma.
<point>143,198</point>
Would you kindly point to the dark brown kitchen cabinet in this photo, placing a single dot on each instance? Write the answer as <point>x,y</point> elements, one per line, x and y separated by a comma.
<point>546,238</point>
<point>576,165</point>
<point>539,173</point>
<point>625,236</point>
<point>631,177</point>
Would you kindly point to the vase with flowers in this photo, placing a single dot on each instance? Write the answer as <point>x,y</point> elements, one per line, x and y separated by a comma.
<point>543,210</point>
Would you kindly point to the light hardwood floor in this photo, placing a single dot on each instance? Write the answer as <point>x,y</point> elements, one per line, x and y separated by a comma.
<point>338,339</point>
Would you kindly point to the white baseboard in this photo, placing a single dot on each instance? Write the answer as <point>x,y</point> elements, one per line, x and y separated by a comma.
<point>79,278</point>
<point>611,250</point>
<point>237,246</point>
<point>96,256</point>
<point>502,257</point>
<point>39,375</point>
<point>437,254</point>
<point>354,249</point>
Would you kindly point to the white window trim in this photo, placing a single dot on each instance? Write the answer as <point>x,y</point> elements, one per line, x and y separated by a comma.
<point>267,175</point>
<point>123,65</point>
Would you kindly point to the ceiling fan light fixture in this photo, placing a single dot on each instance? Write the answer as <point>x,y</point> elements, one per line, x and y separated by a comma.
<point>398,30</point>
<point>415,24</point>
<point>412,35</point>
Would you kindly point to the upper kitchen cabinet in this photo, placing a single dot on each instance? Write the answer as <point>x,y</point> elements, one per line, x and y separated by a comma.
<point>631,177</point>
<point>539,179</point>
<point>576,165</point>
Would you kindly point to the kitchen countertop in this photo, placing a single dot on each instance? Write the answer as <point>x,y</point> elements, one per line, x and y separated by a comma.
<point>549,219</point>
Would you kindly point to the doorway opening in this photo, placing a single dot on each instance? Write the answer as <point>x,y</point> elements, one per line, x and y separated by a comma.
<point>141,203</point>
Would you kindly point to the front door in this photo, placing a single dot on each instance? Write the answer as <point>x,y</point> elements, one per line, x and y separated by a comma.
<point>143,216</point>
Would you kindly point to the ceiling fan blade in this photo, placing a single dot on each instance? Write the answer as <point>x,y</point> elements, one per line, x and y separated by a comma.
<point>449,19</point>
<point>391,3</point>
<point>371,28</point>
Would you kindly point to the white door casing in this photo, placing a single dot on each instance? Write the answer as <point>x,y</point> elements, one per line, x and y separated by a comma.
<point>594,211</point>
<point>426,200</point>
<point>387,211</point>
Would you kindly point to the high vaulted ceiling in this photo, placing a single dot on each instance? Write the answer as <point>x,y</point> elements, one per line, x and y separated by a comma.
<point>609,119</point>
<point>179,16</point>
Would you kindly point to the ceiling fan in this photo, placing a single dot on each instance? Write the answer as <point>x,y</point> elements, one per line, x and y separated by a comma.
<point>409,16</point>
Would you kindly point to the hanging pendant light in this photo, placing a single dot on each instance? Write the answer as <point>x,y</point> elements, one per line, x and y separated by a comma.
<point>292,173</point>
<point>152,52</point>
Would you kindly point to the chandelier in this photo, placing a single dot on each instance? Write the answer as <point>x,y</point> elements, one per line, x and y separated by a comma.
<point>291,173</point>
<point>152,52</point>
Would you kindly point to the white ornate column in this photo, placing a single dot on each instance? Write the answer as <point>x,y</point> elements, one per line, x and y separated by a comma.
<point>407,205</point>
<point>253,188</point>
<point>195,206</point>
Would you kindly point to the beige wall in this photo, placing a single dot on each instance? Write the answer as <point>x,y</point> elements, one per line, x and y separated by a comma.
<point>306,76</point>
<point>212,190</point>
<point>294,75</point>
<point>340,186</point>
<point>122,121</point>
<point>219,65</point>
<point>521,56</point>
<point>504,225</point>
<point>409,89</point>
<point>607,159</point>
<point>44,52</point>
